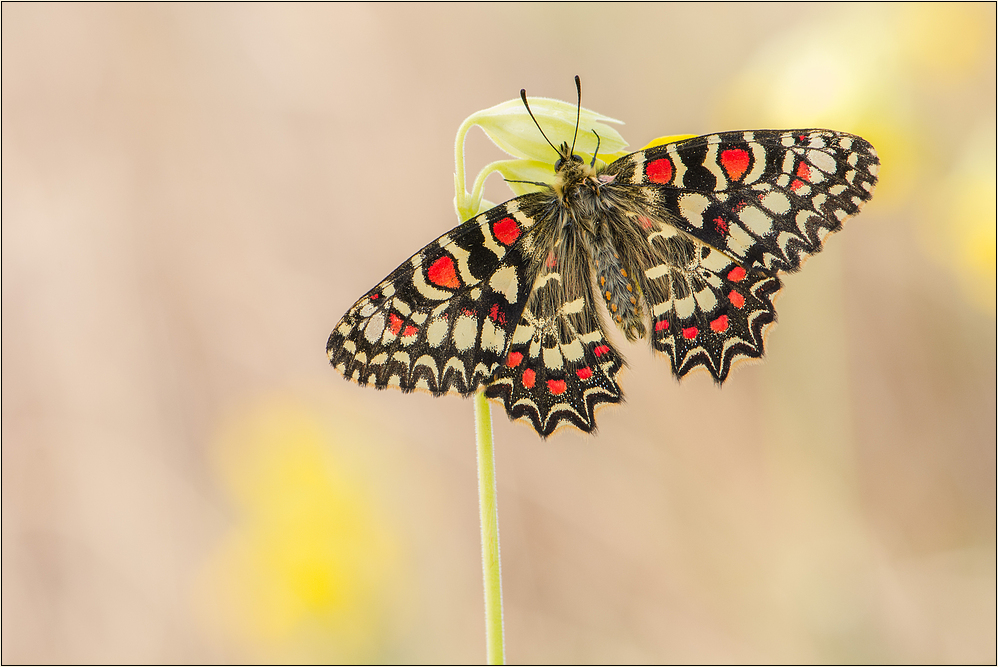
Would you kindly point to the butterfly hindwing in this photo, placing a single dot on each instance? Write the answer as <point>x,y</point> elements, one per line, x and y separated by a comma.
<point>705,309</point>
<point>560,365</point>
<point>442,320</point>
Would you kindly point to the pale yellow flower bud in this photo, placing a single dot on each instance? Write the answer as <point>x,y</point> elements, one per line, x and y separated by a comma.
<point>510,127</point>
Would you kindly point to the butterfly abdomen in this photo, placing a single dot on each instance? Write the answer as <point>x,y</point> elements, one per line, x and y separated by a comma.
<point>616,281</point>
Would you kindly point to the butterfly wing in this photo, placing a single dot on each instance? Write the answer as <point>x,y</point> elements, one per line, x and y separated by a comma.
<point>706,310</point>
<point>560,366</point>
<point>766,198</point>
<point>442,321</point>
<point>722,214</point>
<point>503,300</point>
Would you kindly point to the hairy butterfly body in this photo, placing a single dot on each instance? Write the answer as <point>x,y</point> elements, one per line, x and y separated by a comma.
<point>681,242</point>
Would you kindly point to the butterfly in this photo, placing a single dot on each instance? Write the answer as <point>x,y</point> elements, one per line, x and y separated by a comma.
<point>683,243</point>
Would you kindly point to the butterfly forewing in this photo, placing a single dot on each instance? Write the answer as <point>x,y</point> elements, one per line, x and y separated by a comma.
<point>765,198</point>
<point>442,320</point>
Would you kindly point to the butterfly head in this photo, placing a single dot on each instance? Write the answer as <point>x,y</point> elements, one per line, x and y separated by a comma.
<point>570,172</point>
<point>566,157</point>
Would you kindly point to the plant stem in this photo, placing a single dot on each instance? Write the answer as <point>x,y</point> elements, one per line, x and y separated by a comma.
<point>491,567</point>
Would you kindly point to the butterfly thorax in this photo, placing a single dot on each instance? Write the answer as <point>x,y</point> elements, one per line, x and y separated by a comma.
<point>590,214</point>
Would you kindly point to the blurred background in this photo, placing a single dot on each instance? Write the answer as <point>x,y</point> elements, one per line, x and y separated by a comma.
<point>194,194</point>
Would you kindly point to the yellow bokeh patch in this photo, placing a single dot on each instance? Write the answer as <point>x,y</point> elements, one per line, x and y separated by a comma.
<point>304,571</point>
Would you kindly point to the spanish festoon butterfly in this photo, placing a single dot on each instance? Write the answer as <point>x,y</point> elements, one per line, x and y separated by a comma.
<point>683,242</point>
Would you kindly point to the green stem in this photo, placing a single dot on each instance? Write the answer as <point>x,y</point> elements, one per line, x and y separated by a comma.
<point>459,182</point>
<point>467,207</point>
<point>476,189</point>
<point>492,569</point>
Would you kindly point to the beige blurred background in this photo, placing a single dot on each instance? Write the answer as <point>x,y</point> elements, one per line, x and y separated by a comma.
<point>194,194</point>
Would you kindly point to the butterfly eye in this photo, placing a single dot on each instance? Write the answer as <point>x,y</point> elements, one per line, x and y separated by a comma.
<point>576,158</point>
<point>557,165</point>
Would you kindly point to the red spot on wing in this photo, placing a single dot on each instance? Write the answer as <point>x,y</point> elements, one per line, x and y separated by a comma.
<point>601,350</point>
<point>659,171</point>
<point>736,299</point>
<point>796,185</point>
<point>395,323</point>
<point>442,273</point>
<point>410,331</point>
<point>375,297</point>
<point>528,379</point>
<point>498,316</point>
<point>721,225</point>
<point>556,387</point>
<point>804,171</point>
<point>720,324</point>
<point>735,161</point>
<point>514,359</point>
<point>661,325</point>
<point>646,224</point>
<point>506,230</point>
<point>736,274</point>
<point>690,333</point>
<point>584,373</point>
<point>551,261</point>
<point>468,312</point>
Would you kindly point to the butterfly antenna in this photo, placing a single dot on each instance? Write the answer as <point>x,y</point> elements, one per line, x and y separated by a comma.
<point>523,96</point>
<point>595,151</point>
<point>545,185</point>
<point>578,114</point>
